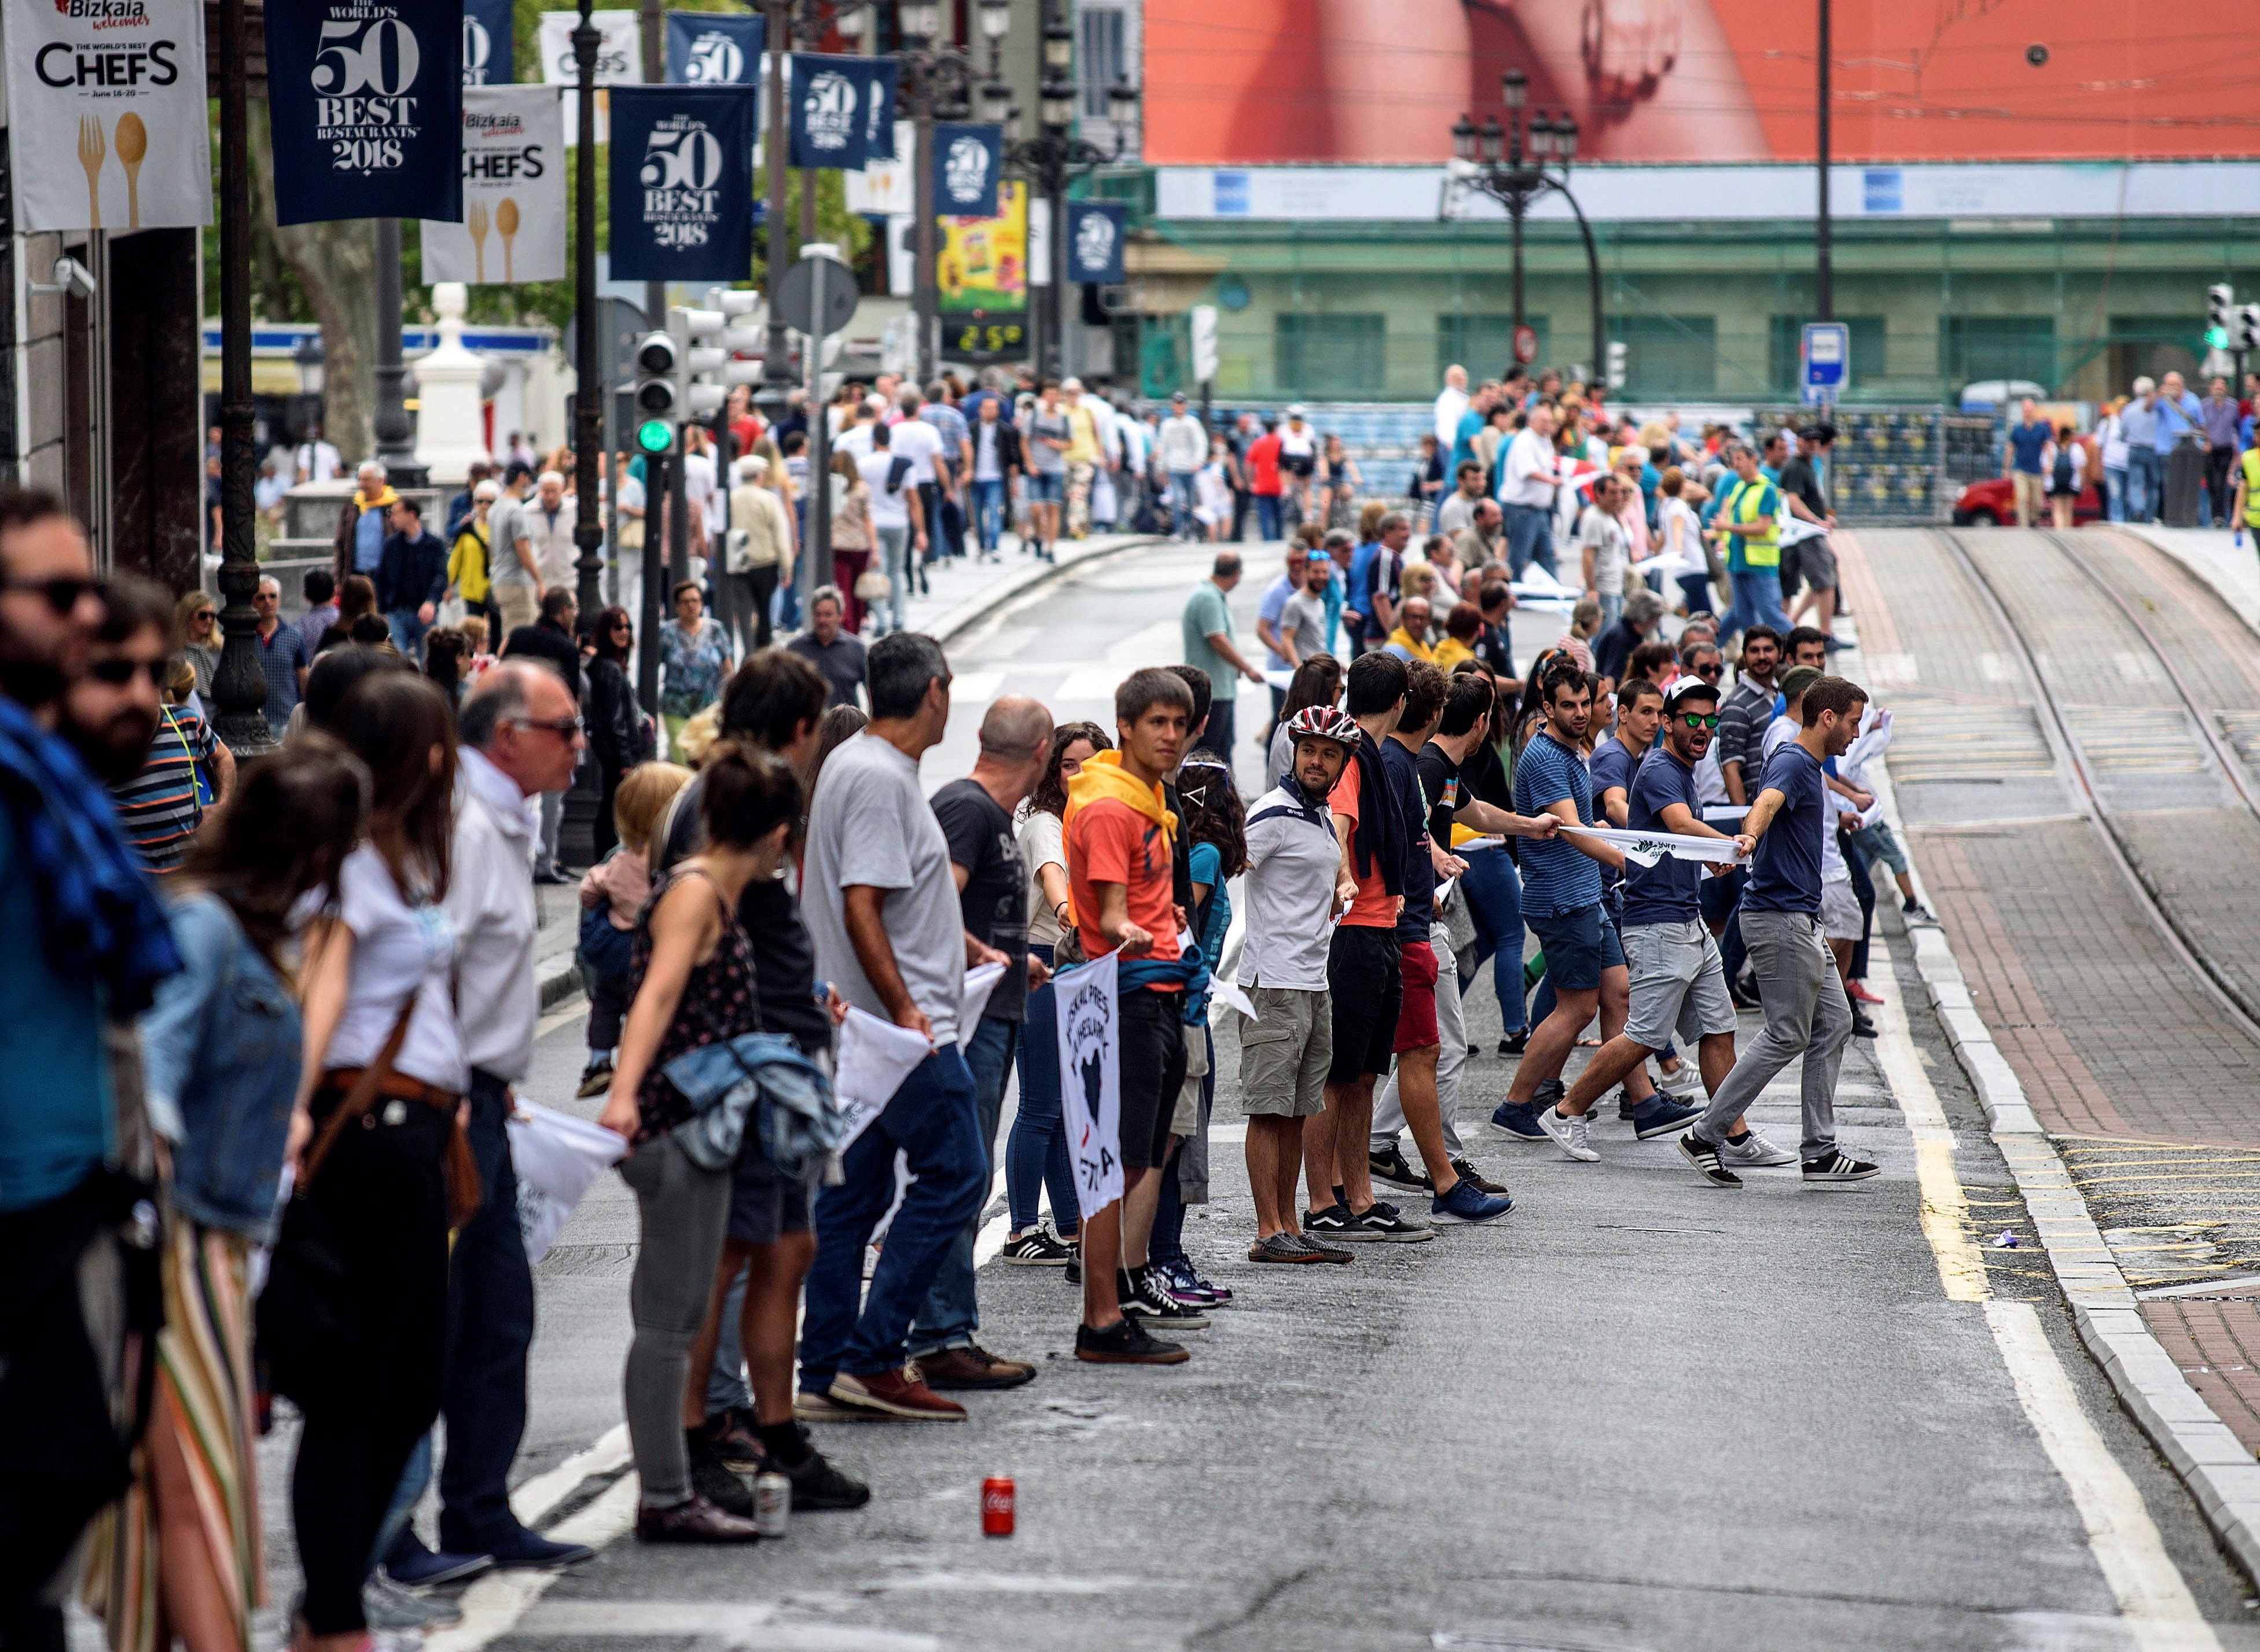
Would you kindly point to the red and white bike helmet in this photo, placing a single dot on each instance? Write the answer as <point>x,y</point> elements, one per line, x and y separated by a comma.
<point>1324,722</point>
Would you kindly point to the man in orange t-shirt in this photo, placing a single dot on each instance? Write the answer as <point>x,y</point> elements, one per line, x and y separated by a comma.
<point>1121,874</point>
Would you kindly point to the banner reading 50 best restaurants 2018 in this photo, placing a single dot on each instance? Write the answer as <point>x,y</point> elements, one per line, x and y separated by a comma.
<point>683,182</point>
<point>106,114</point>
<point>367,100</point>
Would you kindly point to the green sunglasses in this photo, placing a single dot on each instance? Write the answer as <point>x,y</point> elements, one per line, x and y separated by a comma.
<point>1700,719</point>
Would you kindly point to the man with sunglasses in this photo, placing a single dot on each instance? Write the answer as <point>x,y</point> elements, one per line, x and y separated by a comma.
<point>283,655</point>
<point>1677,984</point>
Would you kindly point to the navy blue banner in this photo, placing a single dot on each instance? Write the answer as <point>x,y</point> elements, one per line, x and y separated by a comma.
<point>715,49</point>
<point>683,182</point>
<point>366,98</point>
<point>843,111</point>
<point>966,161</point>
<point>486,43</point>
<point>1094,241</point>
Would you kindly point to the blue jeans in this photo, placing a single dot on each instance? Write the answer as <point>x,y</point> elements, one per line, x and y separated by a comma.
<point>2146,483</point>
<point>1186,524</point>
<point>414,1480</point>
<point>1035,1154</point>
<point>894,558</point>
<point>408,631</point>
<point>1494,891</point>
<point>2115,491</point>
<point>1529,537</point>
<point>989,510</point>
<point>949,1315</point>
<point>1757,601</point>
<point>1695,593</point>
<point>934,1119</point>
<point>1267,516</point>
<point>1611,607</point>
<point>489,1329</point>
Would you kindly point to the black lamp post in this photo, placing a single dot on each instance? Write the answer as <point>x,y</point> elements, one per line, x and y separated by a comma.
<point>1055,157</point>
<point>588,345</point>
<point>1509,162</point>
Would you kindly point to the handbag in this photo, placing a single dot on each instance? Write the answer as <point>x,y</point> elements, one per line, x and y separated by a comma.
<point>304,1336</point>
<point>873,586</point>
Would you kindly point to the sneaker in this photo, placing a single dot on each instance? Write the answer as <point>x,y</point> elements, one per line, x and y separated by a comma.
<point>1127,1343</point>
<point>387,1606</point>
<point>1468,1203</point>
<point>1705,1159</point>
<point>1915,912</point>
<point>1327,1251</point>
<point>725,1491</point>
<point>1517,1121</point>
<point>1659,1117</point>
<point>1392,1167</point>
<point>1514,1043</point>
<point>694,1521</point>
<point>596,1079</point>
<point>1386,1223</point>
<point>1745,995</point>
<point>816,1484</point>
<point>1836,1165</point>
<point>1284,1247</point>
<point>1036,1249</point>
<point>1147,1294</point>
<point>1072,1273</point>
<point>972,1367</point>
<point>1862,1027</point>
<point>733,1437</point>
<point>808,1407</point>
<point>1754,1152</point>
<point>1683,1084</point>
<point>1467,1172</point>
<point>1549,1094</point>
<point>1626,1105</point>
<point>1571,1133</point>
<point>1858,991</point>
<point>1333,1222</point>
<point>896,1394</point>
<point>414,1566</point>
<point>1190,1288</point>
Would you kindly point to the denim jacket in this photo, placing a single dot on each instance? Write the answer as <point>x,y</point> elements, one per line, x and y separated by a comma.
<point>221,1050</point>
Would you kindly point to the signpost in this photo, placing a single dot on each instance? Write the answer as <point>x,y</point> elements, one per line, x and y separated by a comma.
<point>1526,345</point>
<point>1824,361</point>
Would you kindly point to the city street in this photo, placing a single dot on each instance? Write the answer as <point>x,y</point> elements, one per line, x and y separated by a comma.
<point>1637,1414</point>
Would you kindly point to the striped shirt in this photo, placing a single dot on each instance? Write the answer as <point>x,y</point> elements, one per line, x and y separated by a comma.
<point>157,809</point>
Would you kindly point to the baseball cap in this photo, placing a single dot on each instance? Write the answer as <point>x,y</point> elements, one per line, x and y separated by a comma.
<point>1296,411</point>
<point>1691,688</point>
<point>1798,678</point>
<point>1179,397</point>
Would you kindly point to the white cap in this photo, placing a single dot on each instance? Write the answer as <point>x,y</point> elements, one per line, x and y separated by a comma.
<point>1296,411</point>
<point>1071,384</point>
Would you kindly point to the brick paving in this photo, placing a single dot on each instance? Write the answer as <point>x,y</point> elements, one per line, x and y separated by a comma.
<point>2216,1342</point>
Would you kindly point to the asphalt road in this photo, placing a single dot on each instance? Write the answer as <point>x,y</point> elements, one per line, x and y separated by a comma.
<point>1638,1414</point>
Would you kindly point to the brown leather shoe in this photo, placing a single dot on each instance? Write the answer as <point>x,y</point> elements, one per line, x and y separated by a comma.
<point>973,1366</point>
<point>696,1521</point>
<point>895,1394</point>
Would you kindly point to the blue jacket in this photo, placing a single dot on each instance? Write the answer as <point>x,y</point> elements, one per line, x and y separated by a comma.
<point>221,1050</point>
<point>411,572</point>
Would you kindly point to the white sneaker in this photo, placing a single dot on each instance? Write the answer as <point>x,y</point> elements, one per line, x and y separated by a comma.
<point>1572,1133</point>
<point>1685,1084</point>
<point>1754,1151</point>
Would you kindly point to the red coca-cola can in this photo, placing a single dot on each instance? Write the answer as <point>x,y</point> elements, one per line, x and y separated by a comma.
<point>997,1506</point>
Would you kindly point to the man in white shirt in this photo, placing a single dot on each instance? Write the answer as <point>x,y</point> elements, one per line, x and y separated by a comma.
<point>1529,483</point>
<point>317,461</point>
<point>550,521</point>
<point>520,739</point>
<point>1183,448</point>
<point>1451,404</point>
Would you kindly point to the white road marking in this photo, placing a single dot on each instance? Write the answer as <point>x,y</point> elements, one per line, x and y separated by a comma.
<point>2204,1288</point>
<point>493,1605</point>
<point>737,1624</point>
<point>534,1501</point>
<point>572,1009</point>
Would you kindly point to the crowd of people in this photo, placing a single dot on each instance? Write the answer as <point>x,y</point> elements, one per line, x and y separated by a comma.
<point>2049,463</point>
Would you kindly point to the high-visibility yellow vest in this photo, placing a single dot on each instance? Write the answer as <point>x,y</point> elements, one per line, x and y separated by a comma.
<point>1759,549</point>
<point>2252,487</point>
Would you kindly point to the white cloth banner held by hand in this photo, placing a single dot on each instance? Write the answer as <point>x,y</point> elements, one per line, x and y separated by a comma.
<point>876,1055</point>
<point>980,986</point>
<point>1648,849</point>
<point>556,1157</point>
<point>1090,1078</point>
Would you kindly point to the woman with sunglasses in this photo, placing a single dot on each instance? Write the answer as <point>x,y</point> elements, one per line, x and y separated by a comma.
<point>196,635</point>
<point>615,723</point>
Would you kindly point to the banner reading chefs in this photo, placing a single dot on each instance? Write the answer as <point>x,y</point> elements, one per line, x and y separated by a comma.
<point>367,100</point>
<point>683,182</point>
<point>620,61</point>
<point>108,127</point>
<point>513,226</point>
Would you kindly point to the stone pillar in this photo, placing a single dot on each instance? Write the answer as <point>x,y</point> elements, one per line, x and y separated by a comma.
<point>450,437</point>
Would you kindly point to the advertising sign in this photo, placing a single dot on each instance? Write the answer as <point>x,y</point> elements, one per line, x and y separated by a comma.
<point>715,49</point>
<point>513,225</point>
<point>683,182</point>
<point>843,109</point>
<point>620,61</point>
<point>1095,229</point>
<point>981,280</point>
<point>366,98</point>
<point>967,160</point>
<point>486,43</point>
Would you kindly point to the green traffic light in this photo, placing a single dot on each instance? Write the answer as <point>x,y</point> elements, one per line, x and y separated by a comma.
<point>655,435</point>
<point>2217,337</point>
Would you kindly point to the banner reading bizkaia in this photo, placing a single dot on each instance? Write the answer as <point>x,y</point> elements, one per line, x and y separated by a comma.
<point>1651,81</point>
<point>366,98</point>
<point>513,226</point>
<point>107,123</point>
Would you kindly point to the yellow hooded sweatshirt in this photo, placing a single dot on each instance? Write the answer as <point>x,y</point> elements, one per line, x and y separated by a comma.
<point>1103,778</point>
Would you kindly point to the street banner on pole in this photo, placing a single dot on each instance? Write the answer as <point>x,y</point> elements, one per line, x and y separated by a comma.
<point>715,49</point>
<point>1090,1078</point>
<point>107,125</point>
<point>620,61</point>
<point>843,109</point>
<point>487,59</point>
<point>367,101</point>
<point>967,159</point>
<point>1094,241</point>
<point>883,186</point>
<point>683,182</point>
<point>513,225</point>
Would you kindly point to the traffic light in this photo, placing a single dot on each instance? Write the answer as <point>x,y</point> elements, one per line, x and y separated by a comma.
<point>657,403</point>
<point>2220,307</point>
<point>1616,369</point>
<point>2248,329</point>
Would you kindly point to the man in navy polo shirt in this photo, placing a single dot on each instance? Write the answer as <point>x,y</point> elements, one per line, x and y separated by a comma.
<point>1805,1011</point>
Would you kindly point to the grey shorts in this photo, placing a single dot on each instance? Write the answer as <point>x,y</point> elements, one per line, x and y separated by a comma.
<point>1678,985</point>
<point>1840,909</point>
<point>1284,1053</point>
<point>1816,563</point>
<point>1185,1121</point>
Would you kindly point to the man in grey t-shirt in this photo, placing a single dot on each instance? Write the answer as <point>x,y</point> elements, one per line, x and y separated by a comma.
<point>882,911</point>
<point>517,586</point>
<point>1303,621</point>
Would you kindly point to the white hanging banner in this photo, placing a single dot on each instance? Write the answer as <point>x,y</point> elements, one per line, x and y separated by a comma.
<point>882,188</point>
<point>1648,849</point>
<point>620,61</point>
<point>107,123</point>
<point>1090,1078</point>
<point>513,226</point>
